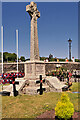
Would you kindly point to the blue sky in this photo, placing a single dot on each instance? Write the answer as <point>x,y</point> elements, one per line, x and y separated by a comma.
<point>0,27</point>
<point>58,22</point>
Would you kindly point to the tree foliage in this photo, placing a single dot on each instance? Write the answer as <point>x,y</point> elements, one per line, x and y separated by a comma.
<point>9,57</point>
<point>50,56</point>
<point>22,58</point>
<point>77,60</point>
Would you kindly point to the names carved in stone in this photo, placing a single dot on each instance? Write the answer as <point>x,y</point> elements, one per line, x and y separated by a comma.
<point>29,68</point>
<point>39,69</point>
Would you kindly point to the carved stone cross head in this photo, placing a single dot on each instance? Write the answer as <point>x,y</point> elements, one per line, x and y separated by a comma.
<point>32,10</point>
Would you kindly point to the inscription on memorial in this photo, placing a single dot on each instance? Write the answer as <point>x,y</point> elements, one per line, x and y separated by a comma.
<point>29,68</point>
<point>39,69</point>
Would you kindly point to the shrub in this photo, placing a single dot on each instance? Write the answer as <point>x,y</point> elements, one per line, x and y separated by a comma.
<point>77,60</point>
<point>64,108</point>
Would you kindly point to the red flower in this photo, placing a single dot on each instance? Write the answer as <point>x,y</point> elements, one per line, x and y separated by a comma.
<point>41,81</point>
<point>13,82</point>
<point>53,73</point>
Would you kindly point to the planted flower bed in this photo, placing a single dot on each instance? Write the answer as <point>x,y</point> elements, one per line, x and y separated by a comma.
<point>60,73</point>
<point>5,77</point>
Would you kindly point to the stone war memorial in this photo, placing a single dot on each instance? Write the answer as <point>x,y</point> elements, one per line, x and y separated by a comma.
<point>34,68</point>
<point>40,87</point>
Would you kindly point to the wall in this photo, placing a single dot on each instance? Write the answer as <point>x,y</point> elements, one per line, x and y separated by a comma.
<point>12,67</point>
<point>9,67</point>
<point>69,66</point>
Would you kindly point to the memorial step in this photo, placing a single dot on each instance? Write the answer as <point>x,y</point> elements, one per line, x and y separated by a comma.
<point>33,90</point>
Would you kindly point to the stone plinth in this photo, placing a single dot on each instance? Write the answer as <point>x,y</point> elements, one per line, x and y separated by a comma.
<point>33,69</point>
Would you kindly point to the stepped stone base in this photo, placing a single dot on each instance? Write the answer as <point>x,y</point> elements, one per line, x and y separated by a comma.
<point>52,84</point>
<point>33,90</point>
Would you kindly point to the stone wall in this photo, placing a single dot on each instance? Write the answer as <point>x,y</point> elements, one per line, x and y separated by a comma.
<point>12,67</point>
<point>9,67</point>
<point>69,66</point>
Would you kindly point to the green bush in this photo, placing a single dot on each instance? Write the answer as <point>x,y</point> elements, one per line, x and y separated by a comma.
<point>77,60</point>
<point>64,108</point>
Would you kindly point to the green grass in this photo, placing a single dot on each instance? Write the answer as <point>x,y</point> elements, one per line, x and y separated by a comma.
<point>75,87</point>
<point>5,84</point>
<point>26,106</point>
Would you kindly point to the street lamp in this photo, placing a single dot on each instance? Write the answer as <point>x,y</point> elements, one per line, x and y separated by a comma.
<point>69,41</point>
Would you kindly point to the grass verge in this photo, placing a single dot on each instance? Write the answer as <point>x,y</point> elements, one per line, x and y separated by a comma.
<point>75,87</point>
<point>27,106</point>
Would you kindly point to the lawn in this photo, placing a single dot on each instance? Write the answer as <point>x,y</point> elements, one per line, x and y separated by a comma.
<point>75,87</point>
<point>27,106</point>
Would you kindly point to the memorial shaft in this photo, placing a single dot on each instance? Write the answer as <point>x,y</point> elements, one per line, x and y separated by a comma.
<point>34,14</point>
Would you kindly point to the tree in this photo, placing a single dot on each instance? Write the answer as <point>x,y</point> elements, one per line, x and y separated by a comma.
<point>0,57</point>
<point>14,56</point>
<point>22,58</point>
<point>42,58</point>
<point>50,57</point>
<point>5,56</point>
<point>9,56</point>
